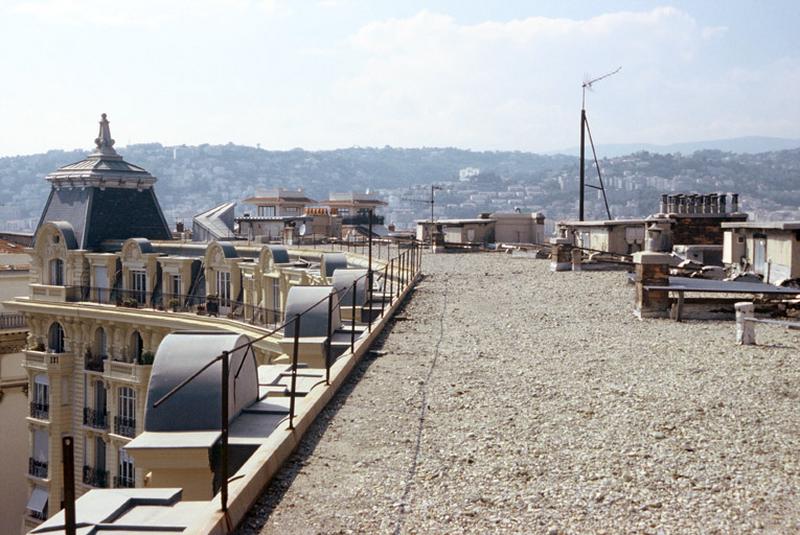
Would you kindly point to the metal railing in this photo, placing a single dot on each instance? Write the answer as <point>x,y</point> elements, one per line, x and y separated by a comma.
<point>95,477</point>
<point>40,411</point>
<point>13,320</point>
<point>400,272</point>
<point>122,482</point>
<point>95,418</point>
<point>37,468</point>
<point>38,515</point>
<point>124,426</point>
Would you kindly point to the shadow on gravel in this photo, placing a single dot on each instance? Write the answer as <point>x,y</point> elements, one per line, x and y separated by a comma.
<point>272,495</point>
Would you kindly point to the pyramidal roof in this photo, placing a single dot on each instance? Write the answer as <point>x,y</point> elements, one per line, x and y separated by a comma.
<point>103,197</point>
<point>104,167</point>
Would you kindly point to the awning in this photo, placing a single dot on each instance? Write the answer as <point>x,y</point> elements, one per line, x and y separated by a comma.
<point>41,379</point>
<point>38,500</point>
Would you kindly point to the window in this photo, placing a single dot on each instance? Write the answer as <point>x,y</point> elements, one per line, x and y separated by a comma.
<point>37,464</point>
<point>139,285</point>
<point>266,211</point>
<point>100,343</point>
<point>291,210</point>
<point>57,272</point>
<point>224,288</point>
<point>55,338</point>
<point>175,285</point>
<point>135,347</point>
<point>127,477</point>
<point>41,389</point>
<point>125,423</point>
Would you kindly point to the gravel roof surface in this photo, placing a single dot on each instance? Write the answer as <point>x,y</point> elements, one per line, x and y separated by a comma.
<point>546,407</point>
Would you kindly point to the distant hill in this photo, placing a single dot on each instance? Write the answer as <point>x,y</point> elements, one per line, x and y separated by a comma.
<point>741,145</point>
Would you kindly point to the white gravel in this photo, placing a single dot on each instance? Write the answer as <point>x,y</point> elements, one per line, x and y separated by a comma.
<point>550,409</point>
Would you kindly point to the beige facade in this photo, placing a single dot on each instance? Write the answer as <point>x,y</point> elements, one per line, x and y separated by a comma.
<point>619,237</point>
<point>516,227</point>
<point>279,202</point>
<point>14,279</point>
<point>97,318</point>
<point>769,249</point>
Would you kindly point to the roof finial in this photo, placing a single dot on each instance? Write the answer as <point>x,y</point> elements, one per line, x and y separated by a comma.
<point>105,145</point>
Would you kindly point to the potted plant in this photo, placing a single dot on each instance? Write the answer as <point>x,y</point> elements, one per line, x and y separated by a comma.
<point>212,305</point>
<point>130,302</point>
<point>146,358</point>
<point>174,304</point>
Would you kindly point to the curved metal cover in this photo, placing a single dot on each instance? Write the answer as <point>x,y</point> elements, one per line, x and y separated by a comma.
<point>65,227</point>
<point>228,249</point>
<point>280,255</point>
<point>196,407</point>
<point>331,262</point>
<point>315,321</point>
<point>342,281</point>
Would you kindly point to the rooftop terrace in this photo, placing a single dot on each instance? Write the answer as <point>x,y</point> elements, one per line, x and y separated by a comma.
<point>513,399</point>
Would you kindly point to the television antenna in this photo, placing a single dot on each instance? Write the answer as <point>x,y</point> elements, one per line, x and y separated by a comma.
<point>588,84</point>
<point>432,202</point>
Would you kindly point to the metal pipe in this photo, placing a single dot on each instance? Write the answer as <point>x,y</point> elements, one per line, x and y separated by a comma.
<point>734,202</point>
<point>68,464</point>
<point>224,435</point>
<point>328,341</point>
<point>391,279</point>
<point>383,289</point>
<point>293,392</point>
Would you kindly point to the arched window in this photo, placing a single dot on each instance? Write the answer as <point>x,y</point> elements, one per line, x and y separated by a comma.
<point>136,345</point>
<point>55,338</point>
<point>57,272</point>
<point>100,343</point>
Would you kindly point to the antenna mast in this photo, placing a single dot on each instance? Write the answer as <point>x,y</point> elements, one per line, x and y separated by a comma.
<point>584,127</point>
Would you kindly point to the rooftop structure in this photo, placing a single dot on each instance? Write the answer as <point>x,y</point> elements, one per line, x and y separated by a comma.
<point>279,202</point>
<point>103,197</point>
<point>770,249</point>
<point>214,224</point>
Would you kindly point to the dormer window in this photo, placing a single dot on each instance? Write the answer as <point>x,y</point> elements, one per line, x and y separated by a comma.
<point>266,211</point>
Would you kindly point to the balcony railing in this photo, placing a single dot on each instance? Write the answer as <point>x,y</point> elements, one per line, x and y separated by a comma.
<point>122,482</point>
<point>40,411</point>
<point>94,418</point>
<point>9,320</point>
<point>125,427</point>
<point>203,305</point>
<point>38,515</point>
<point>37,468</point>
<point>94,477</point>
<point>94,364</point>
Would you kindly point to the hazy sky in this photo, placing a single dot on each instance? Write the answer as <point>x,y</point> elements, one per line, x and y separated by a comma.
<point>339,73</point>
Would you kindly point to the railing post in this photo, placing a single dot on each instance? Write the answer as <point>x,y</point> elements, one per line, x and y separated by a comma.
<point>745,328</point>
<point>294,369</point>
<point>328,341</point>
<point>353,319</point>
<point>224,435</point>
<point>391,279</point>
<point>383,289</point>
<point>68,459</point>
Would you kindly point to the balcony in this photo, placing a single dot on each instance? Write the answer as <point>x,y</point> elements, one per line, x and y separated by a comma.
<point>95,478</point>
<point>125,427</point>
<point>127,371</point>
<point>40,411</point>
<point>12,321</point>
<point>95,419</point>
<point>122,482</point>
<point>37,468</point>
<point>48,362</point>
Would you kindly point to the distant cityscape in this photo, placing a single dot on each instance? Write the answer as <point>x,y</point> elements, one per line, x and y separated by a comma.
<point>192,179</point>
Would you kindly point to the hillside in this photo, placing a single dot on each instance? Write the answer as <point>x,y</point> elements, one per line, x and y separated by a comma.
<point>194,178</point>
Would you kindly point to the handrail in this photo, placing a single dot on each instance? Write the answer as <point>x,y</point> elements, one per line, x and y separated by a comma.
<point>406,278</point>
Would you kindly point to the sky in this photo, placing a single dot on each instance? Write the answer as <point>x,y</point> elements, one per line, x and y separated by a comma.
<point>326,74</point>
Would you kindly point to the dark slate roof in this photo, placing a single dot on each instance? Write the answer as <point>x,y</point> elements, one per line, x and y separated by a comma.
<point>111,214</point>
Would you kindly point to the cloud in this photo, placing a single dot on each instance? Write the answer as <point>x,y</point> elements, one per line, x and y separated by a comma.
<point>430,80</point>
<point>713,32</point>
